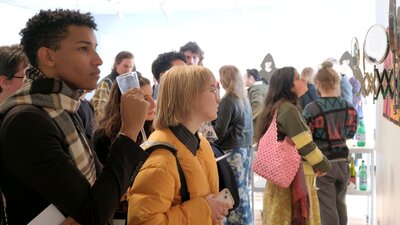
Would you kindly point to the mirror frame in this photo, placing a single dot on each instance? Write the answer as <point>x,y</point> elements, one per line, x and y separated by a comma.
<point>386,52</point>
<point>355,55</point>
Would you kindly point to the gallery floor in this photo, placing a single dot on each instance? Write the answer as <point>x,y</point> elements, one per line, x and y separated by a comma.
<point>357,212</point>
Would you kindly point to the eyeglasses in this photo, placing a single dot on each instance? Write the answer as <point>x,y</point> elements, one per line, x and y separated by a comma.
<point>215,91</point>
<point>298,78</point>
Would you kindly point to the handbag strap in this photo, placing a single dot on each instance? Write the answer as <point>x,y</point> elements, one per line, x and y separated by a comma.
<point>273,127</point>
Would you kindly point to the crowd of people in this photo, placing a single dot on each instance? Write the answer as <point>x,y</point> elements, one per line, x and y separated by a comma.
<point>88,159</point>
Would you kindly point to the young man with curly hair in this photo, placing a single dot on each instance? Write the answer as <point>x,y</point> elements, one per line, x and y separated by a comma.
<point>164,62</point>
<point>45,158</point>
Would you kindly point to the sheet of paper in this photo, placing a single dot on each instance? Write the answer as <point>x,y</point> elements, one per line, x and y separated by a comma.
<point>224,156</point>
<point>49,216</point>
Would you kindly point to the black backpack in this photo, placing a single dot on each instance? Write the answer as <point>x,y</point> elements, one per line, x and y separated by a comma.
<point>226,176</point>
<point>3,220</point>
<point>185,195</point>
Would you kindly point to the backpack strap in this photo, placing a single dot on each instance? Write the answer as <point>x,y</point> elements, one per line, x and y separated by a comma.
<point>152,146</point>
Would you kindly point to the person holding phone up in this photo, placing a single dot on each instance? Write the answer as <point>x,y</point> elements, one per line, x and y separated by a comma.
<point>45,157</point>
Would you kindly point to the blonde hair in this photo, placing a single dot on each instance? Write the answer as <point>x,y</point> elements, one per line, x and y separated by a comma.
<point>232,81</point>
<point>327,78</point>
<point>179,87</point>
<point>306,74</point>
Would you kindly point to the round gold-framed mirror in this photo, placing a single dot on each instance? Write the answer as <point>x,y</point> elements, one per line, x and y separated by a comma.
<point>355,52</point>
<point>376,44</point>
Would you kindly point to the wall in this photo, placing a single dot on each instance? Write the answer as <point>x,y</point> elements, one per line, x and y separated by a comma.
<point>387,152</point>
<point>298,35</point>
<point>12,19</point>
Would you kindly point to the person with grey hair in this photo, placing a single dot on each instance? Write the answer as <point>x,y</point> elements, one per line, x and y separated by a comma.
<point>311,94</point>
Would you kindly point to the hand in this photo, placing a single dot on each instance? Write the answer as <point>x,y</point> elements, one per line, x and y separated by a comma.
<point>319,172</point>
<point>218,209</point>
<point>133,109</point>
<point>69,221</point>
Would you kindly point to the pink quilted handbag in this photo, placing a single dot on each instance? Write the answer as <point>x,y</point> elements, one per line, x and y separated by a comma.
<point>276,161</point>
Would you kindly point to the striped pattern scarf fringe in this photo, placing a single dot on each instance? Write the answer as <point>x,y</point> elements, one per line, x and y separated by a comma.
<point>59,101</point>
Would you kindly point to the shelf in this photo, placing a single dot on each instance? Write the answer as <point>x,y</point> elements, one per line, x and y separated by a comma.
<point>365,149</point>
<point>358,192</point>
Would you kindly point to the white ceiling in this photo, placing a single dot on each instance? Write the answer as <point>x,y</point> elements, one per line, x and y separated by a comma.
<point>107,7</point>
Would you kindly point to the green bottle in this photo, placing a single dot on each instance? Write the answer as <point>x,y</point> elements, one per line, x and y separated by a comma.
<point>360,134</point>
<point>363,176</point>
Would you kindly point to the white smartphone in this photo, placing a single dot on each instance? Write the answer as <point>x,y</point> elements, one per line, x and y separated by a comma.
<point>226,196</point>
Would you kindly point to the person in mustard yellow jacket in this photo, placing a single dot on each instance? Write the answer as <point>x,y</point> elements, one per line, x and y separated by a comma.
<point>188,97</point>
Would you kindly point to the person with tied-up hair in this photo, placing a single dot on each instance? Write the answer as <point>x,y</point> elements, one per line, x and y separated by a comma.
<point>332,120</point>
<point>45,157</point>
<point>297,204</point>
<point>256,91</point>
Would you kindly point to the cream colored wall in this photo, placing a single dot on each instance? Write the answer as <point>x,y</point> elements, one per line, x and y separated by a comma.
<point>387,170</point>
<point>387,145</point>
<point>387,153</point>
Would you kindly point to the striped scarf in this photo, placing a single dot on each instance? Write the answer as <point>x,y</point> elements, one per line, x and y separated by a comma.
<point>60,102</point>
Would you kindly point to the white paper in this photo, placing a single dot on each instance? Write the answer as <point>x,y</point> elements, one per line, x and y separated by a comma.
<point>224,156</point>
<point>49,216</point>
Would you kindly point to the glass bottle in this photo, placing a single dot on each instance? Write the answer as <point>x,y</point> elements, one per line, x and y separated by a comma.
<point>360,134</point>
<point>363,176</point>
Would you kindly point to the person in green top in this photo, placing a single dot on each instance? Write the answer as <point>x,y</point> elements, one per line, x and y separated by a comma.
<point>256,92</point>
<point>279,208</point>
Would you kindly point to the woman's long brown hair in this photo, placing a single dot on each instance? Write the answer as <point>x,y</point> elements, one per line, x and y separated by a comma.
<point>280,90</point>
<point>111,123</point>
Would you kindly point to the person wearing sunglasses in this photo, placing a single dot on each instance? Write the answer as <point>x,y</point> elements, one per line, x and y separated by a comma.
<point>13,62</point>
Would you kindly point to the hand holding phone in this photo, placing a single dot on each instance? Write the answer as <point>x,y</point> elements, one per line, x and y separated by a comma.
<point>225,196</point>
<point>127,81</point>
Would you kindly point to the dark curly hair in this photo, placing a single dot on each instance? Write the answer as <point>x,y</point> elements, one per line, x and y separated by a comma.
<point>164,62</point>
<point>195,49</point>
<point>49,27</point>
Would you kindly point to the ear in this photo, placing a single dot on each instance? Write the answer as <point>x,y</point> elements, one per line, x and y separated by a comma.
<point>3,81</point>
<point>46,57</point>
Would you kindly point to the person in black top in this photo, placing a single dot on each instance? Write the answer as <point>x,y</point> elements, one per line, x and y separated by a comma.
<point>45,159</point>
